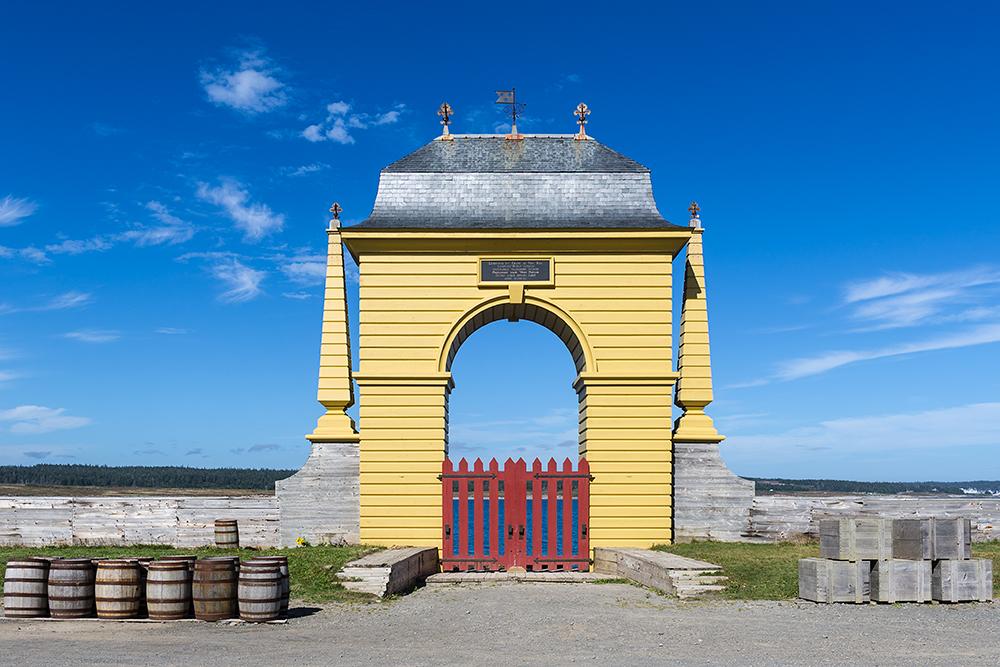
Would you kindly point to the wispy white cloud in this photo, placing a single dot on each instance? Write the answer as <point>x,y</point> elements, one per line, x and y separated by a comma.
<point>263,448</point>
<point>71,299</point>
<point>31,253</point>
<point>80,246</point>
<point>960,306</point>
<point>905,299</point>
<point>35,419</point>
<point>339,123</point>
<point>7,376</point>
<point>172,231</point>
<point>242,281</point>
<point>976,424</point>
<point>93,336</point>
<point>303,170</point>
<point>798,368</point>
<point>250,86</point>
<point>170,331</point>
<point>304,267</point>
<point>297,295</point>
<point>256,220</point>
<point>12,211</point>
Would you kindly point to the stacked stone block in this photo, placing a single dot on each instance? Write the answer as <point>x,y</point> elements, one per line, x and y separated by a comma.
<point>895,560</point>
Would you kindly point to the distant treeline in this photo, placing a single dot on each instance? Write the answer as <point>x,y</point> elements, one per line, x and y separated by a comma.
<point>145,477</point>
<point>776,485</point>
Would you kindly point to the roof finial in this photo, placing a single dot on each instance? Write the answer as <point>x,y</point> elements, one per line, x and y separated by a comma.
<point>582,111</point>
<point>335,220</point>
<point>694,209</point>
<point>513,110</point>
<point>445,112</point>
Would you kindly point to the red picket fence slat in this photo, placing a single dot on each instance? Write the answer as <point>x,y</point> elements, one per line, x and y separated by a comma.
<point>500,519</point>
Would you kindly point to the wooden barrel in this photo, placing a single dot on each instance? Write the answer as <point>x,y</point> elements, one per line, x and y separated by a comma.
<point>235,560</point>
<point>143,563</point>
<point>213,589</point>
<point>259,592</point>
<point>227,534</point>
<point>116,589</point>
<point>282,562</point>
<point>168,590</point>
<point>71,588</point>
<point>187,558</point>
<point>26,588</point>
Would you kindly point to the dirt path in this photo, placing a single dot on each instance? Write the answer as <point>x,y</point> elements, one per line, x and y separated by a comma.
<point>534,624</point>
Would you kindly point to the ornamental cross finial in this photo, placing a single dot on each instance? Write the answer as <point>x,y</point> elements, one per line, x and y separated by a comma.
<point>582,111</point>
<point>335,220</point>
<point>445,112</point>
<point>694,209</point>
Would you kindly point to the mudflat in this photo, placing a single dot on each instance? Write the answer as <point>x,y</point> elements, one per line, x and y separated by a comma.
<point>532,624</point>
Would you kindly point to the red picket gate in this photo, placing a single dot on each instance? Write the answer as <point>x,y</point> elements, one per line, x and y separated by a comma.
<point>499,519</point>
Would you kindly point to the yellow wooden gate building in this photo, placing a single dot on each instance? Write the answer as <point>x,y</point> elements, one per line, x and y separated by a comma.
<point>469,229</point>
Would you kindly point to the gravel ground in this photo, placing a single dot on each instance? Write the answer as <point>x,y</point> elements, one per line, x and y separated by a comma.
<point>533,624</point>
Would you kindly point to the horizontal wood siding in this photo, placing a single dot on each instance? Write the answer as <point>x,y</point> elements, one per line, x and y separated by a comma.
<point>180,521</point>
<point>630,460</point>
<point>403,430</point>
<point>410,305</point>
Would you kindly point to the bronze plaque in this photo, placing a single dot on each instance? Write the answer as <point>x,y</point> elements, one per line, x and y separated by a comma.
<point>514,270</point>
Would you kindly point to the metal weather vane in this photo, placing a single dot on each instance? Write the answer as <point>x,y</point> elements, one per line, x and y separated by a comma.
<point>445,111</point>
<point>512,108</point>
<point>582,111</point>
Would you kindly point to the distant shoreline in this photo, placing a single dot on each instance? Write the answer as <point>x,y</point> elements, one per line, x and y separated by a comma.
<point>61,491</point>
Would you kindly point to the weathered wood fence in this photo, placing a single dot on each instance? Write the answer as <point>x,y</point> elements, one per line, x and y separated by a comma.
<point>36,521</point>
<point>775,518</point>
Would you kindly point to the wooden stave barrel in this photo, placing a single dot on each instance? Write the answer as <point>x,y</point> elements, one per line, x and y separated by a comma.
<point>26,588</point>
<point>259,592</point>
<point>235,560</point>
<point>227,534</point>
<point>116,589</point>
<point>190,560</point>
<point>71,588</point>
<point>143,563</point>
<point>286,580</point>
<point>214,589</point>
<point>168,590</point>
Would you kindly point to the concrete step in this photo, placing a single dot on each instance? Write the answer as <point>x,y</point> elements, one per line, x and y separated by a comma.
<point>672,574</point>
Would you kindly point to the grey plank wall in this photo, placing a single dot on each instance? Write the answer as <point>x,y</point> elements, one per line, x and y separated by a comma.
<point>710,501</point>
<point>182,522</point>
<point>775,518</point>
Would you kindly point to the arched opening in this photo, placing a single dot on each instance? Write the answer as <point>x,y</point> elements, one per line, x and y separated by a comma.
<point>513,393</point>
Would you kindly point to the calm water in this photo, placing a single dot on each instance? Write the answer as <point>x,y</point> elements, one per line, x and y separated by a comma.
<point>500,531</point>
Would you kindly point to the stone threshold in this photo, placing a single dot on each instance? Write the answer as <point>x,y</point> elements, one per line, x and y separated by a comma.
<point>541,576</point>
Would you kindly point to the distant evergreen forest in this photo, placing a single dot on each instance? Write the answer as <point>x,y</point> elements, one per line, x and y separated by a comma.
<point>145,477</point>
<point>781,486</point>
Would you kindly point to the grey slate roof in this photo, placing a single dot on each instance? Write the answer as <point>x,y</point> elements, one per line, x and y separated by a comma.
<point>489,181</point>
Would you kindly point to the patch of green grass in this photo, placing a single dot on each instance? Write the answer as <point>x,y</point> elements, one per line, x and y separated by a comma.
<point>990,550</point>
<point>312,570</point>
<point>613,581</point>
<point>755,571</point>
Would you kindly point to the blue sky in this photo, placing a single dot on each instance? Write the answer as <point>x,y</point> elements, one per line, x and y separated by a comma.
<point>165,178</point>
